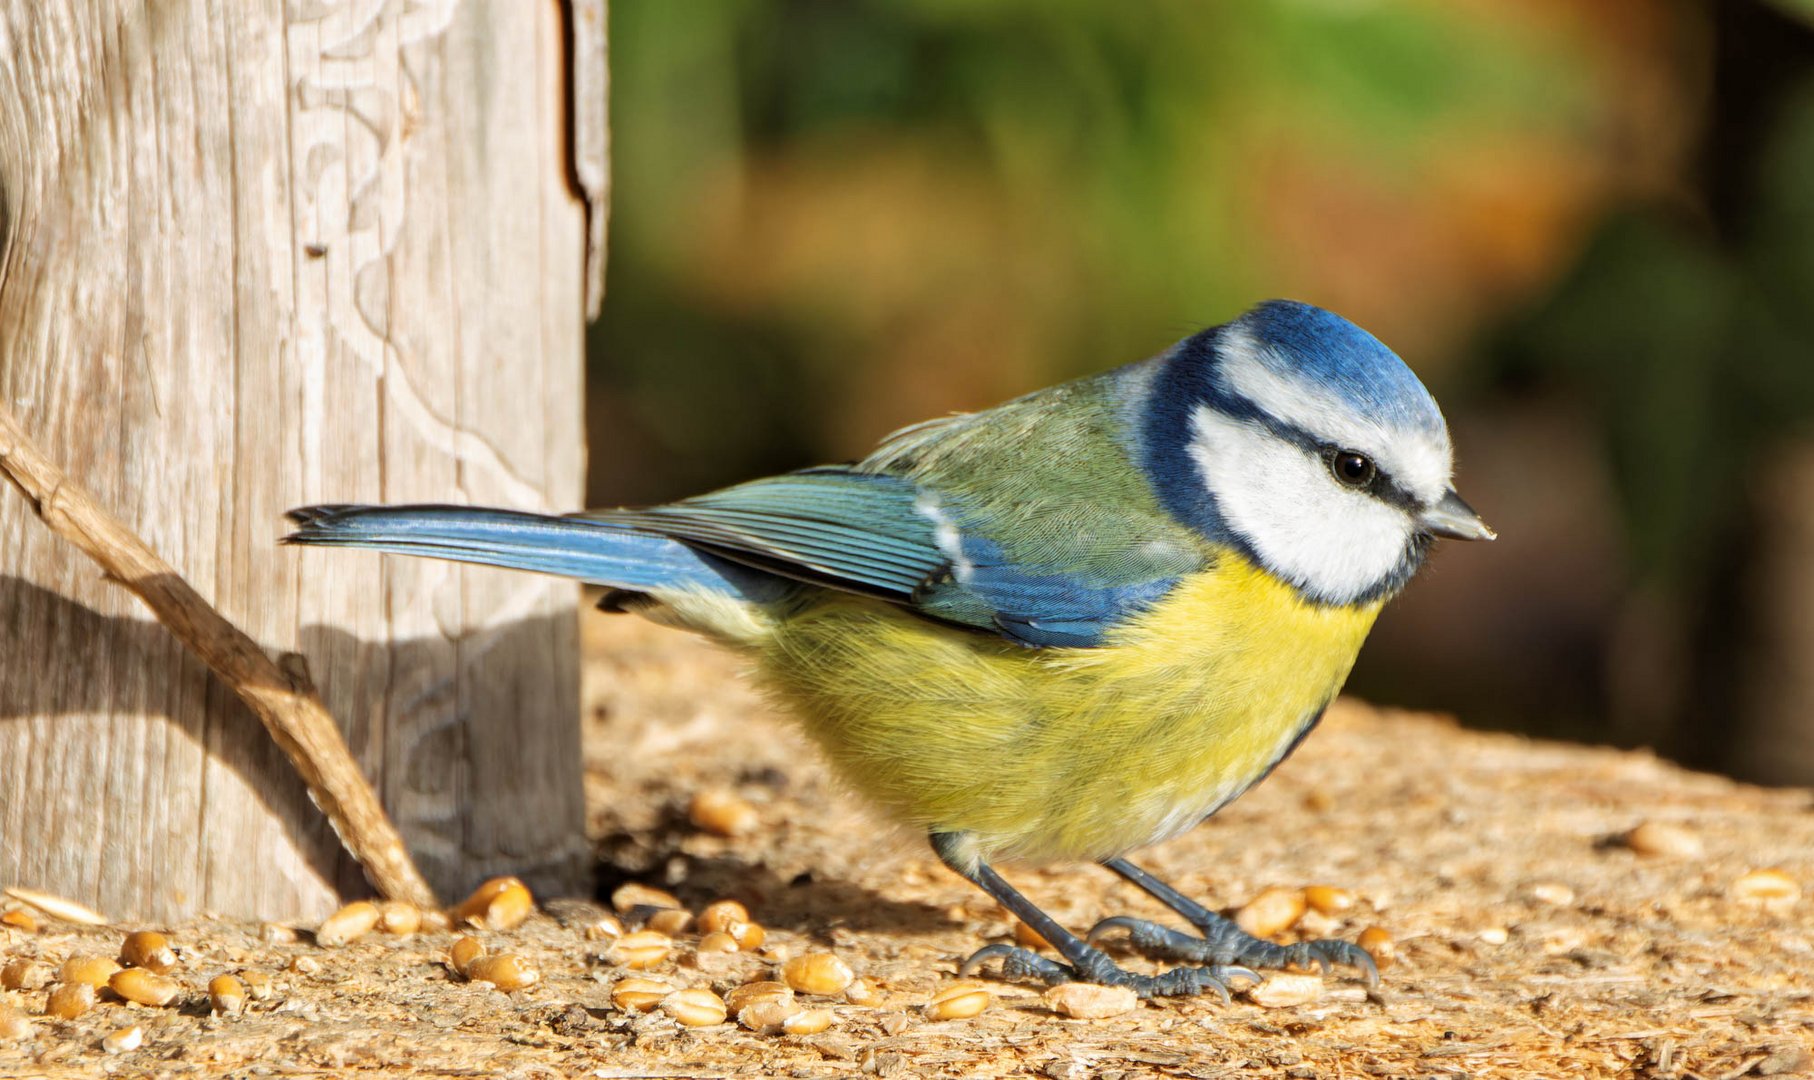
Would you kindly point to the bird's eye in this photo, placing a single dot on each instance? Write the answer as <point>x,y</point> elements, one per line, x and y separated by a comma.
<point>1351,468</point>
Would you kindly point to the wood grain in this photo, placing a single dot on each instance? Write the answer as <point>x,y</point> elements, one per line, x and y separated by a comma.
<point>283,697</point>
<point>257,255</point>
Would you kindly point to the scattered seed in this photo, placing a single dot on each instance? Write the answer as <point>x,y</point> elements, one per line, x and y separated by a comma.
<point>347,925</point>
<point>861,992</point>
<point>604,928</point>
<point>768,1015</point>
<point>147,949</point>
<point>506,971</point>
<point>642,949</point>
<point>87,968</point>
<point>817,973</point>
<point>810,1022</point>
<point>258,984</point>
<point>1087,1001</point>
<point>227,995</point>
<point>1554,893</point>
<point>742,997</point>
<point>749,936</point>
<point>14,1027</point>
<point>720,914</point>
<point>69,1001</point>
<point>1028,938</point>
<point>499,904</point>
<point>1273,911</point>
<point>671,921</point>
<point>436,922</point>
<point>398,918</point>
<point>123,1041</point>
<point>717,942</point>
<point>25,974</point>
<point>58,907</point>
<point>695,1008</point>
<point>1379,945</point>
<point>723,813</point>
<point>305,965</point>
<point>464,951</point>
<point>1770,889</point>
<point>1285,990</point>
<point>1495,935</point>
<point>1661,839</point>
<point>277,934</point>
<point>637,994</point>
<point>481,898</point>
<point>510,908</point>
<point>634,894</point>
<point>1315,924</point>
<point>20,919</point>
<point>142,986</point>
<point>959,1001</point>
<point>1328,899</point>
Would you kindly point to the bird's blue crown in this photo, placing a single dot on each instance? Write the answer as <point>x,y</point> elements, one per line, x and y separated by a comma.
<point>1302,341</point>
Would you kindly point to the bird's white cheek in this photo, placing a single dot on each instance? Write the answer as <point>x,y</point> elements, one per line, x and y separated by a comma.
<point>1333,542</point>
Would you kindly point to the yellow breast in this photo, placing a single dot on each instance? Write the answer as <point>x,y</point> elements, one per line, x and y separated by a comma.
<point>1066,753</point>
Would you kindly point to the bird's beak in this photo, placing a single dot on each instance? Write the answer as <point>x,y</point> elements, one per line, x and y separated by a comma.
<point>1454,519</point>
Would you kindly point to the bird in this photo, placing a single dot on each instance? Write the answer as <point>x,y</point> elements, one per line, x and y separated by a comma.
<point>1060,629</point>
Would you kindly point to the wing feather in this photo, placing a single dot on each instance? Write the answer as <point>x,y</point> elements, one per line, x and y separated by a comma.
<point>832,526</point>
<point>1029,520</point>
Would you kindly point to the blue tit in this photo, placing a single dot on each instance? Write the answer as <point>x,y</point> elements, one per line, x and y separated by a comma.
<point>1066,627</point>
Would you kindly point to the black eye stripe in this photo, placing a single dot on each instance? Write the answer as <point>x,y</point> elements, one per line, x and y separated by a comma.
<point>1382,487</point>
<point>1377,482</point>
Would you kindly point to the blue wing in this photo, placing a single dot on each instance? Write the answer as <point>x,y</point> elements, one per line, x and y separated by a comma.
<point>896,539</point>
<point>874,534</point>
<point>1036,606</point>
<point>828,526</point>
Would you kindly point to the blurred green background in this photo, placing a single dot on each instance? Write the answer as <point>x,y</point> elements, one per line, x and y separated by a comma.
<point>1588,226</point>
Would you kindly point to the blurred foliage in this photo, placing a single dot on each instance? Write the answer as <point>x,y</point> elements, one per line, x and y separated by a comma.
<point>1801,8</point>
<point>1686,333</point>
<point>1694,350</point>
<point>831,218</point>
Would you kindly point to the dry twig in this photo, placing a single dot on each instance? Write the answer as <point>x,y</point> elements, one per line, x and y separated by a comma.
<point>281,695</point>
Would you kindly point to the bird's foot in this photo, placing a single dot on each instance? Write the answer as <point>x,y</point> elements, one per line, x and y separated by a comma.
<point>1094,966</point>
<point>1224,944</point>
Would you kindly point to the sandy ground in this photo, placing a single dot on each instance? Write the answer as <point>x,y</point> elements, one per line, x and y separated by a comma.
<point>1528,939</point>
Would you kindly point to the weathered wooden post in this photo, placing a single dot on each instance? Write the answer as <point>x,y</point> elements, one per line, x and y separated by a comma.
<point>265,254</point>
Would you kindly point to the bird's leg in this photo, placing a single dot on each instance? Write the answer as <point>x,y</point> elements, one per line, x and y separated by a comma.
<point>1083,962</point>
<point>1222,942</point>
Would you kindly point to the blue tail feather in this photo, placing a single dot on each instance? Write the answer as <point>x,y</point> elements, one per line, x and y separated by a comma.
<point>602,553</point>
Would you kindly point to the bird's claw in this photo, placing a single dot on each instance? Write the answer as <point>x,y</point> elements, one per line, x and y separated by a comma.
<point>1018,963</point>
<point>1226,945</point>
<point>1096,967</point>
